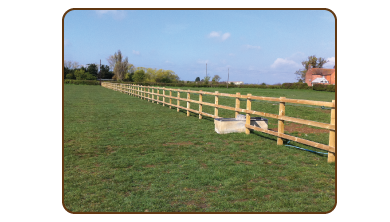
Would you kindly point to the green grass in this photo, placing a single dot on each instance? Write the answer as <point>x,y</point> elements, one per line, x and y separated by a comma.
<point>124,154</point>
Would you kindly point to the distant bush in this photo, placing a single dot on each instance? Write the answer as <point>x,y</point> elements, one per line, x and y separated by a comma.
<point>70,76</point>
<point>331,88</point>
<point>82,75</point>
<point>321,87</point>
<point>296,85</point>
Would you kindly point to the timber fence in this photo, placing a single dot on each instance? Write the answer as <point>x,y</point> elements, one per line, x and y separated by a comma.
<point>147,93</point>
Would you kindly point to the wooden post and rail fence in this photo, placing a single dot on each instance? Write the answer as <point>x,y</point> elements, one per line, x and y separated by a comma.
<point>147,92</point>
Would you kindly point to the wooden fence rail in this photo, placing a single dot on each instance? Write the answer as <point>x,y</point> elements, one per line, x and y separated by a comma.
<point>147,93</point>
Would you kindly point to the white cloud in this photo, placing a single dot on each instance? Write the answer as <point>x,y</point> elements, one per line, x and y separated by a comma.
<point>279,62</point>
<point>331,63</point>
<point>116,14</point>
<point>136,52</point>
<point>225,36</point>
<point>214,34</point>
<point>219,35</point>
<point>231,54</point>
<point>252,47</point>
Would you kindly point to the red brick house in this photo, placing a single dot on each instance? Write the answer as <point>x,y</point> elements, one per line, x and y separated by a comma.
<point>323,76</point>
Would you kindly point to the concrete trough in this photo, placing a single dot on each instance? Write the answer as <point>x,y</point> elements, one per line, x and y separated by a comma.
<point>237,125</point>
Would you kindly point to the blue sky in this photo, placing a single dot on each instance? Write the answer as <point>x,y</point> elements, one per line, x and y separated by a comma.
<point>256,45</point>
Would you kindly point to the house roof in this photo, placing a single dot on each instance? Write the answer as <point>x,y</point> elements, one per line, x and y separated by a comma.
<point>321,71</point>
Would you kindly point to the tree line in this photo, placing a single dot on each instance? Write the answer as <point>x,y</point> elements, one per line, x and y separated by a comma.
<point>122,70</point>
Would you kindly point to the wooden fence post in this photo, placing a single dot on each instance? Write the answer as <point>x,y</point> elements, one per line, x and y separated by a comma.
<point>282,112</point>
<point>216,108</point>
<point>248,116</point>
<point>200,105</point>
<point>188,103</point>
<point>149,96</point>
<point>158,97</point>
<point>163,96</point>
<point>178,101</point>
<point>152,95</point>
<point>332,134</point>
<point>237,103</point>
<point>170,99</point>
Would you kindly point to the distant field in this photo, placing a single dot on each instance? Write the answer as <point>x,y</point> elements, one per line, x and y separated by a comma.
<point>124,154</point>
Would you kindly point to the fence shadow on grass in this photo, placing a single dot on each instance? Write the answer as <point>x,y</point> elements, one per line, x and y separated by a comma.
<point>274,138</point>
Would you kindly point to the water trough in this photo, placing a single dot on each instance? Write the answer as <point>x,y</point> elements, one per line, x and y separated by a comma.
<point>237,125</point>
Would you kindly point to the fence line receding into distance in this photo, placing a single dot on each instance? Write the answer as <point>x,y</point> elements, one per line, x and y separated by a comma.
<point>147,93</point>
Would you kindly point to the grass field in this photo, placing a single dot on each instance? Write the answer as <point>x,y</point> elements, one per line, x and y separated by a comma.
<point>124,154</point>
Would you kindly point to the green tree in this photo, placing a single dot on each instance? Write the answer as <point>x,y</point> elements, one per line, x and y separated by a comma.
<point>216,78</point>
<point>105,72</point>
<point>314,62</point>
<point>70,76</point>
<point>139,76</point>
<point>129,77</point>
<point>206,79</point>
<point>197,79</point>
<point>80,74</point>
<point>92,69</point>
<point>90,77</point>
<point>67,71</point>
